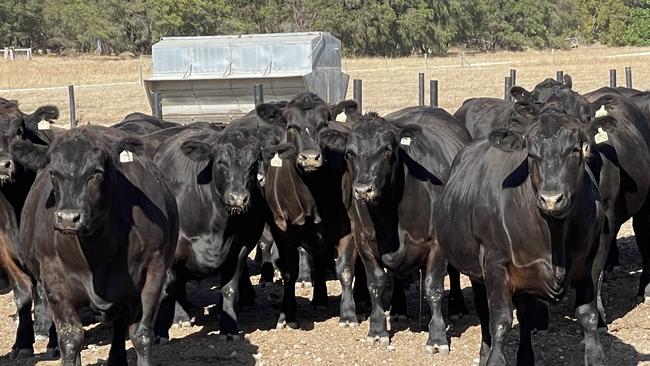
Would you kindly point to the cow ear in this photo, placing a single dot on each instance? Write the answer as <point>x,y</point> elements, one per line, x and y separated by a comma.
<point>270,112</point>
<point>31,155</point>
<point>196,150</point>
<point>349,107</point>
<point>606,123</point>
<point>47,113</point>
<point>506,140</point>
<point>520,94</point>
<point>131,144</point>
<point>284,151</point>
<point>409,131</point>
<point>334,139</point>
<point>566,81</point>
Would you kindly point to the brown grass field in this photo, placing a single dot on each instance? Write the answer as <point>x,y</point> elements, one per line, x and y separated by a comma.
<point>388,83</point>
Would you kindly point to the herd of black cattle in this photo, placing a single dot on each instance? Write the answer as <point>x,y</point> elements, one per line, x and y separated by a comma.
<point>524,197</point>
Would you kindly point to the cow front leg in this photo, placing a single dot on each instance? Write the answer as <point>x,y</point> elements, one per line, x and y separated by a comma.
<point>642,233</point>
<point>69,329</point>
<point>500,308</point>
<point>24,345</point>
<point>434,292</point>
<point>587,315</point>
<point>117,353</point>
<point>526,306</point>
<point>482,308</point>
<point>42,318</point>
<point>376,284</point>
<point>345,272</point>
<point>229,291</point>
<point>318,265</point>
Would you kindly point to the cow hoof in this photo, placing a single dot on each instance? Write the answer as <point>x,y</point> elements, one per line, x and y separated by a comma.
<point>52,353</point>
<point>186,324</point>
<point>442,350</point>
<point>283,324</point>
<point>384,341</point>
<point>19,354</point>
<point>303,284</point>
<point>646,299</point>
<point>348,323</point>
<point>229,338</point>
<point>40,337</point>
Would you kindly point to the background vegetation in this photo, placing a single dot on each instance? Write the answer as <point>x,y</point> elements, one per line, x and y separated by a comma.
<point>366,27</point>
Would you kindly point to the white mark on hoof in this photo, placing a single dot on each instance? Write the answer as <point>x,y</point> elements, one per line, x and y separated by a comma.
<point>443,350</point>
<point>384,341</point>
<point>281,324</point>
<point>353,324</point>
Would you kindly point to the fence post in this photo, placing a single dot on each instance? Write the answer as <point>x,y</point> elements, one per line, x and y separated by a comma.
<point>433,93</point>
<point>507,87</point>
<point>559,76</point>
<point>628,77</point>
<point>612,78</point>
<point>513,77</point>
<point>357,95</point>
<point>157,105</point>
<point>421,89</point>
<point>258,93</point>
<point>73,107</point>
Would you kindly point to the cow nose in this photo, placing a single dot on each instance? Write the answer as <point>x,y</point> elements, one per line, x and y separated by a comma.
<point>238,199</point>
<point>551,202</point>
<point>6,164</point>
<point>309,157</point>
<point>68,220</point>
<point>363,191</point>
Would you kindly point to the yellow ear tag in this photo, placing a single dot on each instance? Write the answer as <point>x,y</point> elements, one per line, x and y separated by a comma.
<point>601,136</point>
<point>276,161</point>
<point>601,112</point>
<point>43,125</point>
<point>126,157</point>
<point>406,141</point>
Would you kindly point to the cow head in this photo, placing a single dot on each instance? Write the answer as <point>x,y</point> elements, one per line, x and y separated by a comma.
<point>235,158</point>
<point>82,167</point>
<point>8,167</point>
<point>557,148</point>
<point>372,150</point>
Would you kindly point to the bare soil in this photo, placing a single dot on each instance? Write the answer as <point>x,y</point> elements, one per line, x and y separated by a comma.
<point>320,341</point>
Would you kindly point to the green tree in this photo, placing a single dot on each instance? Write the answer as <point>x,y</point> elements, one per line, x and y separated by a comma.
<point>604,20</point>
<point>21,23</point>
<point>638,31</point>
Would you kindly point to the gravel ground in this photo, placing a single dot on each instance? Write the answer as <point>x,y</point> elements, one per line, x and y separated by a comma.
<point>320,341</point>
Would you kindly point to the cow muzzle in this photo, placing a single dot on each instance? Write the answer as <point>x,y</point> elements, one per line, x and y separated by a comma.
<point>7,169</point>
<point>69,222</point>
<point>237,202</point>
<point>553,204</point>
<point>310,160</point>
<point>364,192</point>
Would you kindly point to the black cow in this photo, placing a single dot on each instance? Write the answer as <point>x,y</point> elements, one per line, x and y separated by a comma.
<point>98,229</point>
<point>522,216</point>
<point>213,176</point>
<point>397,173</point>
<point>140,124</point>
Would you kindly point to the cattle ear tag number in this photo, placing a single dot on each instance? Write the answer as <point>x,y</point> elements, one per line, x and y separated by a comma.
<point>406,141</point>
<point>126,157</point>
<point>43,125</point>
<point>601,136</point>
<point>601,112</point>
<point>276,161</point>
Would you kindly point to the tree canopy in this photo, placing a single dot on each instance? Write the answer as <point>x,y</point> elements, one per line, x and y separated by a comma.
<point>366,27</point>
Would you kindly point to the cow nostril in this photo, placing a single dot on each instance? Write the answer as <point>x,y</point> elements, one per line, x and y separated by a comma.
<point>302,157</point>
<point>7,164</point>
<point>76,218</point>
<point>317,157</point>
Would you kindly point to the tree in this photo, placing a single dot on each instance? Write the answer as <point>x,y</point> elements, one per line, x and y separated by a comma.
<point>604,20</point>
<point>20,23</point>
<point>638,31</point>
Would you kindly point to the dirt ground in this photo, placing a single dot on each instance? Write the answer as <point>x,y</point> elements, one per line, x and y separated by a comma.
<point>320,341</point>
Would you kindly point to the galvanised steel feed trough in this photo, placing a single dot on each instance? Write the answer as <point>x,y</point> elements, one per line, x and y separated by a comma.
<point>211,78</point>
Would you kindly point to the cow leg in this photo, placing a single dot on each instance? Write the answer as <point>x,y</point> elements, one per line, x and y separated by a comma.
<point>24,345</point>
<point>587,315</point>
<point>168,305</point>
<point>482,308</point>
<point>642,232</point>
<point>246,290</point>
<point>141,332</point>
<point>456,305</point>
<point>117,353</point>
<point>52,348</point>
<point>526,306</point>
<point>42,318</point>
<point>613,255</point>
<point>288,251</point>
<point>69,329</point>
<point>398,300</point>
<point>304,269</point>
<point>345,272</point>
<point>361,293</point>
<point>500,307</point>
<point>434,290</point>
<point>229,291</point>
<point>376,285</point>
<point>265,251</point>
<point>318,264</point>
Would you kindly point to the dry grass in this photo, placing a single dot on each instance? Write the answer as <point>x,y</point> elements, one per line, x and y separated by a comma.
<point>389,84</point>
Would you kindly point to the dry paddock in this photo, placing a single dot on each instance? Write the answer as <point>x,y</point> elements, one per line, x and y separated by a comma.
<point>320,341</point>
<point>113,90</point>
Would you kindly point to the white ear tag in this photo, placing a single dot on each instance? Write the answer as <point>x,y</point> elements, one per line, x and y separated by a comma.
<point>406,141</point>
<point>601,136</point>
<point>276,161</point>
<point>126,157</point>
<point>601,112</point>
<point>43,125</point>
